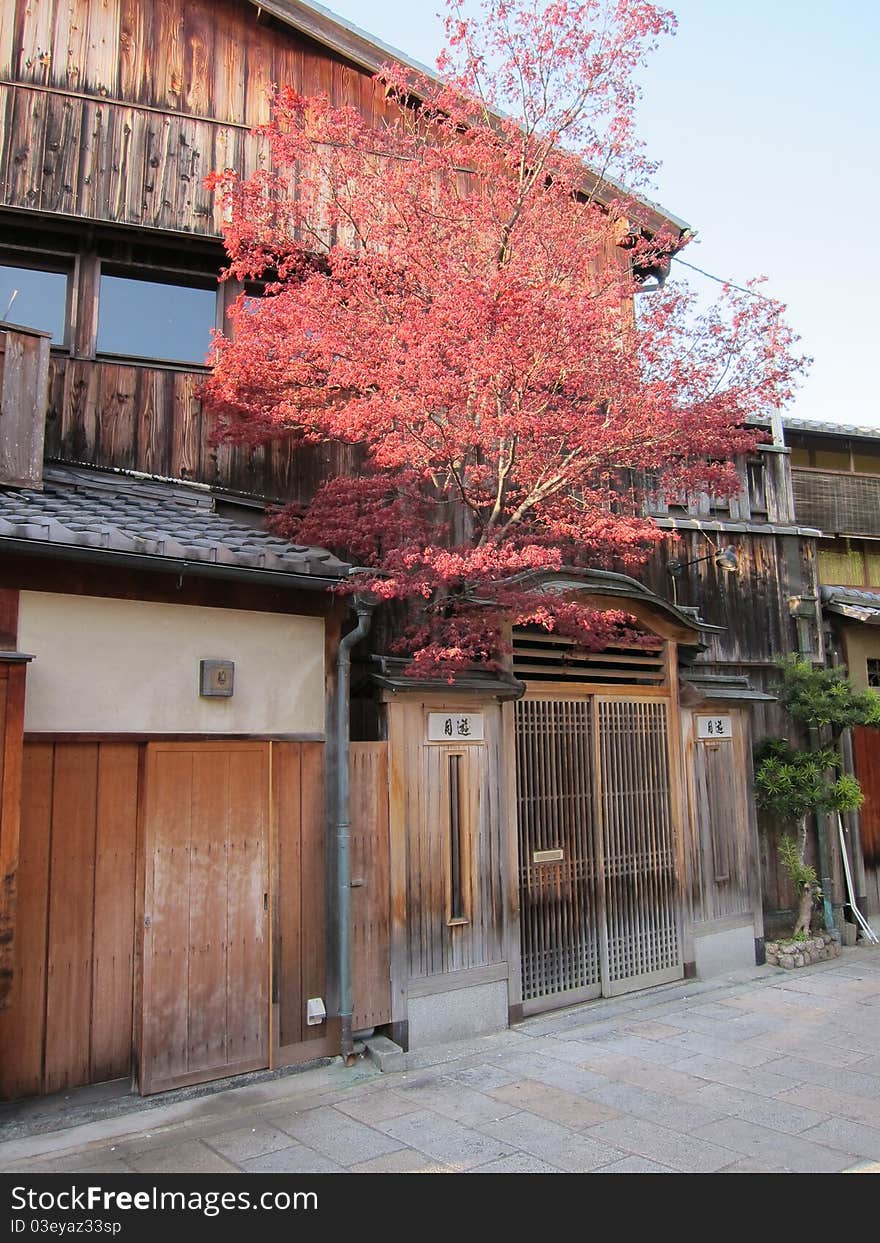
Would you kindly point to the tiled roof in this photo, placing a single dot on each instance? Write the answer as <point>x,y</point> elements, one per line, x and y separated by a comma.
<point>119,513</point>
<point>852,603</point>
<point>792,424</point>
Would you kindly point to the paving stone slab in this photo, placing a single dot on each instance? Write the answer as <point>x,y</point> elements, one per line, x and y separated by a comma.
<point>190,1157</point>
<point>657,1143</point>
<point>852,1137</point>
<point>576,1153</point>
<point>727,1050</point>
<point>248,1141</point>
<point>765,1111</point>
<point>403,1161</point>
<point>342,1139</point>
<point>830,1101</point>
<point>790,1152</point>
<point>637,1071</point>
<point>458,1146</point>
<point>378,1106</point>
<point>841,1078</point>
<point>460,1103</point>
<point>517,1163</point>
<point>636,1165</point>
<point>753,1079</point>
<point>566,1108</point>
<point>297,1159</point>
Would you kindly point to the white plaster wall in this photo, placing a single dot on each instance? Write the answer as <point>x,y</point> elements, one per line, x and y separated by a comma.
<point>129,666</point>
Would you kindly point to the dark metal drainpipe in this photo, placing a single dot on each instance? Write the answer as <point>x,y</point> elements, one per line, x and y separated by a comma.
<point>343,822</point>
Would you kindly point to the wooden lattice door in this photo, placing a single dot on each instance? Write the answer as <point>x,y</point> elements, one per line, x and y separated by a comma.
<point>598,910</point>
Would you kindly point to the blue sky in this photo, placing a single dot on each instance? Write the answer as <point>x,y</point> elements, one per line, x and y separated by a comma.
<point>766,117</point>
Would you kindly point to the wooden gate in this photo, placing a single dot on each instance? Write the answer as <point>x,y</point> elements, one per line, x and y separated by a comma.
<point>206,920</point>
<point>598,910</point>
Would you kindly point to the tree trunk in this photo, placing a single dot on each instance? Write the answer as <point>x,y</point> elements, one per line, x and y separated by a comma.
<point>805,910</point>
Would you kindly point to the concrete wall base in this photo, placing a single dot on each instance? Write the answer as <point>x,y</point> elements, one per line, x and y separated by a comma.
<point>718,950</point>
<point>457,1014</point>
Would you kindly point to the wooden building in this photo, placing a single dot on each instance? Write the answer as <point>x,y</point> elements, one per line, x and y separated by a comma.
<point>836,481</point>
<point>580,826</point>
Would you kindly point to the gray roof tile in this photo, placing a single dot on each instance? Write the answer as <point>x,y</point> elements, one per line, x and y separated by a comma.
<point>120,512</point>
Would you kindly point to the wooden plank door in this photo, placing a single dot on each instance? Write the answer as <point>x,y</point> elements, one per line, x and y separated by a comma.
<point>641,943</point>
<point>206,927</point>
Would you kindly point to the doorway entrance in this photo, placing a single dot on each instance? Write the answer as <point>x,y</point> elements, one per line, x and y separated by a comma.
<point>598,908</point>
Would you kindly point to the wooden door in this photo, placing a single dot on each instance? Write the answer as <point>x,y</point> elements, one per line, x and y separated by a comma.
<point>206,925</point>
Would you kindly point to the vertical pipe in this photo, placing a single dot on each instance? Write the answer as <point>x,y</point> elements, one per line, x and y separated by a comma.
<point>343,822</point>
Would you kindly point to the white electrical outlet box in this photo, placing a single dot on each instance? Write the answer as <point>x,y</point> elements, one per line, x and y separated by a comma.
<point>315,1011</point>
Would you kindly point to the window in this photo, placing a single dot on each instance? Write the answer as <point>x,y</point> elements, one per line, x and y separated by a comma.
<point>34,298</point>
<point>873,672</point>
<point>157,319</point>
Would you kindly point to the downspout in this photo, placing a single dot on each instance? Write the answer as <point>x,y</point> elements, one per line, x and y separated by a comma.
<point>343,822</point>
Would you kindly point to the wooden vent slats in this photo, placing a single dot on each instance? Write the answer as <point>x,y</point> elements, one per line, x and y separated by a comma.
<point>538,656</point>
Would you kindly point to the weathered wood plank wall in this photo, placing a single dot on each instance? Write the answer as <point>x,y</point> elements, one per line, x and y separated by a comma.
<point>24,380</point>
<point>12,692</point>
<point>70,1018</point>
<point>116,110</point>
<point>151,420</point>
<point>426,941</point>
<point>721,859</point>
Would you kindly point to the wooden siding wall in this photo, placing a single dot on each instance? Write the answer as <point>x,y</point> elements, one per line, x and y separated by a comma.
<point>301,969</point>
<point>116,110</point>
<point>866,753</point>
<point>70,1021</point>
<point>753,605</point>
<point>370,896</point>
<point>12,689</point>
<point>722,854</point>
<point>24,379</point>
<point>423,943</point>
<point>150,419</point>
<point>301,908</point>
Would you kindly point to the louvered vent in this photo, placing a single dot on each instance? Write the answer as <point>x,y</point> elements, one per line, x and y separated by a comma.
<point>542,657</point>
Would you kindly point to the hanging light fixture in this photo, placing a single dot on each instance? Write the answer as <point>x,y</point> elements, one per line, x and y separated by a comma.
<point>726,559</point>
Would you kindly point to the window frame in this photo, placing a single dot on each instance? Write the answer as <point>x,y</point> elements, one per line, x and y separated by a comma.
<point>180,278</point>
<point>58,263</point>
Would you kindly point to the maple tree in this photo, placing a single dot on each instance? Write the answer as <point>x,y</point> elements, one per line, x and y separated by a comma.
<point>453,290</point>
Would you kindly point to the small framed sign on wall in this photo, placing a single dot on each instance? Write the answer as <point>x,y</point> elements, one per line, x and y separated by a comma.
<point>714,727</point>
<point>455,727</point>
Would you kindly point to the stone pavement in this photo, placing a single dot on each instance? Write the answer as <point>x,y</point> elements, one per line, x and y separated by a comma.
<point>768,1070</point>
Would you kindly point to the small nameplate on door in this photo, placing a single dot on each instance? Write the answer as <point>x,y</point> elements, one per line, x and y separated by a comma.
<point>714,727</point>
<point>455,727</point>
<point>547,856</point>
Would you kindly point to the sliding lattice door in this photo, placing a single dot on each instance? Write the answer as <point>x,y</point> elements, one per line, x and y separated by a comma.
<point>596,848</point>
<point>641,938</point>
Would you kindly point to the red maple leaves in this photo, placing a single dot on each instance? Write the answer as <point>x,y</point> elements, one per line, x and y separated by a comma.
<point>453,290</point>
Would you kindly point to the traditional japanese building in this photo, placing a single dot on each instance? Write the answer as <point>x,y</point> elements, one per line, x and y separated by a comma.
<point>173,745</point>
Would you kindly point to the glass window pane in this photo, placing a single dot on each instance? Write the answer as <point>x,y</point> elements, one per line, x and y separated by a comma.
<point>155,319</point>
<point>34,299</point>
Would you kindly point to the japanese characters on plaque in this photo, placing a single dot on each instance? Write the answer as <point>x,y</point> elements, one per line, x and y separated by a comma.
<point>714,727</point>
<point>455,727</point>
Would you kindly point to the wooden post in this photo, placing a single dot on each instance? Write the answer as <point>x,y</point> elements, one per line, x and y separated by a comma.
<point>12,677</point>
